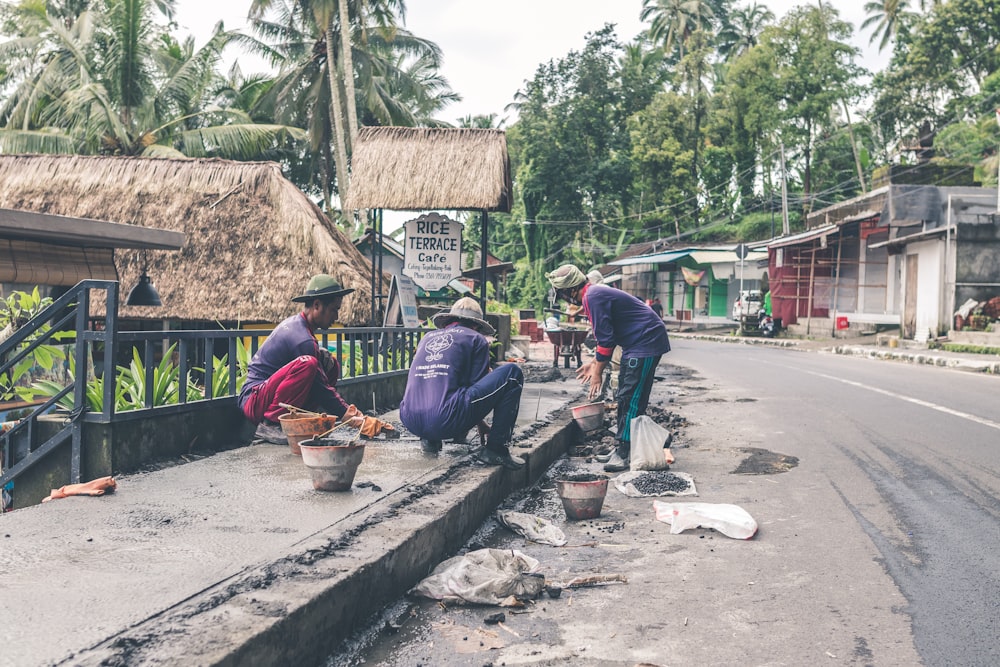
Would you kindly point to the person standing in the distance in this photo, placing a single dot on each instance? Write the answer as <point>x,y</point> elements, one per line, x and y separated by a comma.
<point>657,307</point>
<point>620,320</point>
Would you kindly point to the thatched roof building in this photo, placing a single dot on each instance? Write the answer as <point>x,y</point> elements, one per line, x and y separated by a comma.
<point>420,169</point>
<point>252,238</point>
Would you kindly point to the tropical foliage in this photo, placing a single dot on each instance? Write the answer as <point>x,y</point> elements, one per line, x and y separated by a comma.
<point>164,383</point>
<point>688,130</point>
<point>15,310</point>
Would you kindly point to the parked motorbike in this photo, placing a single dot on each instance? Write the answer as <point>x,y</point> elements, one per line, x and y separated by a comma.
<point>766,325</point>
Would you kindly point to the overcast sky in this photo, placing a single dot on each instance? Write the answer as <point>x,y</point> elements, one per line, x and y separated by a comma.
<point>490,48</point>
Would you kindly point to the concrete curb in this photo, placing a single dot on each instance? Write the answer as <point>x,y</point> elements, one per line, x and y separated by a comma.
<point>305,604</point>
<point>739,340</point>
<point>926,358</point>
<point>930,359</point>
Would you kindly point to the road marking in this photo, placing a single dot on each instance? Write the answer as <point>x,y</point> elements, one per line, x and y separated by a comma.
<point>917,401</point>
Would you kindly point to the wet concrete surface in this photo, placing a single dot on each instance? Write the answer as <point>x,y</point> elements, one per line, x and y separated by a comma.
<point>809,588</point>
<point>173,550</point>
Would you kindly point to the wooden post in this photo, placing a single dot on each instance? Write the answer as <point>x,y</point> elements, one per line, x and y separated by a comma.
<point>812,287</point>
<point>836,284</point>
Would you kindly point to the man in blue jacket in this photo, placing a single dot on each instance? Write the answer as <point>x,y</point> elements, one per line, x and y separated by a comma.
<point>450,388</point>
<point>618,319</point>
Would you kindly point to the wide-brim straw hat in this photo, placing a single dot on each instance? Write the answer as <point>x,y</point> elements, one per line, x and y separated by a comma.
<point>322,286</point>
<point>465,311</point>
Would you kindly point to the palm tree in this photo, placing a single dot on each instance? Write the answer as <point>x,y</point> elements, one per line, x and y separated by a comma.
<point>673,21</point>
<point>335,16</point>
<point>112,83</point>
<point>397,83</point>
<point>742,29</point>
<point>482,121</point>
<point>888,17</point>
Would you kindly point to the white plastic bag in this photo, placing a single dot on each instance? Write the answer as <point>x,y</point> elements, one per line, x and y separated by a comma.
<point>730,520</point>
<point>648,439</point>
<point>534,528</point>
<point>486,576</point>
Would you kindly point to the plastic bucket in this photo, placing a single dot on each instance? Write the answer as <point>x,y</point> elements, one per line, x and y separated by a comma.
<point>298,427</point>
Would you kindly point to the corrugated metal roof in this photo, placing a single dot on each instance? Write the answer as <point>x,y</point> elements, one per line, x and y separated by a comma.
<point>796,239</point>
<point>725,256</point>
<point>658,258</point>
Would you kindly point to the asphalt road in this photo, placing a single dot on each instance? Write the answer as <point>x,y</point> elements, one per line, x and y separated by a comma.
<point>879,547</point>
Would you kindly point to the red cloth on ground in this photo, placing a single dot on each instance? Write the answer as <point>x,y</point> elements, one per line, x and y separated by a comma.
<point>96,487</point>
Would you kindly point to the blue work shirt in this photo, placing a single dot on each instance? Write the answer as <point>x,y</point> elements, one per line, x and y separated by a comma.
<point>619,319</point>
<point>447,362</point>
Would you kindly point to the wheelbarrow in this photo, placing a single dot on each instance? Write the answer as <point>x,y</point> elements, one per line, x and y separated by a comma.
<point>568,344</point>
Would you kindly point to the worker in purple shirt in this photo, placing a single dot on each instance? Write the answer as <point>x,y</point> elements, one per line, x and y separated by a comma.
<point>291,368</point>
<point>450,387</point>
<point>618,319</point>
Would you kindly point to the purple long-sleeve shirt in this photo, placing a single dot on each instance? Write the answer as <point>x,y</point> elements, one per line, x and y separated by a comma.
<point>621,320</point>
<point>447,362</point>
<point>292,338</point>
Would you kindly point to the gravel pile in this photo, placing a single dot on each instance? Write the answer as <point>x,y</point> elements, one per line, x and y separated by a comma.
<point>657,482</point>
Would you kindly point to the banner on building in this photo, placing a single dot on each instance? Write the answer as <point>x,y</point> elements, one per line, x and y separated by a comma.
<point>692,277</point>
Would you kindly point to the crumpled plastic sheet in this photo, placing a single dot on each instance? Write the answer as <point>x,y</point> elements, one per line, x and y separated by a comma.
<point>625,483</point>
<point>485,576</point>
<point>534,528</point>
<point>730,520</point>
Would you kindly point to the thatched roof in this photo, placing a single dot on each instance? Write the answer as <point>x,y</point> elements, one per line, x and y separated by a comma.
<point>252,238</point>
<point>422,169</point>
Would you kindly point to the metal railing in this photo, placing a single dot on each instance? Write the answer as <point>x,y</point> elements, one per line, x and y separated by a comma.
<point>138,374</point>
<point>18,445</point>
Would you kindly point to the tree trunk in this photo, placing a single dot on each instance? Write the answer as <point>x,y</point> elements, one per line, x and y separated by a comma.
<point>854,148</point>
<point>336,113</point>
<point>350,103</point>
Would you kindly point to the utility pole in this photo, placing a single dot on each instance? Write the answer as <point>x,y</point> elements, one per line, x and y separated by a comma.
<point>784,192</point>
<point>998,169</point>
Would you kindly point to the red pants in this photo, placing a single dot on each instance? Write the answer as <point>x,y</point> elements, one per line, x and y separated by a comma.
<point>292,384</point>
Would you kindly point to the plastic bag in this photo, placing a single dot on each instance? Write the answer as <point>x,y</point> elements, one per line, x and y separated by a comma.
<point>532,527</point>
<point>486,576</point>
<point>730,520</point>
<point>648,441</point>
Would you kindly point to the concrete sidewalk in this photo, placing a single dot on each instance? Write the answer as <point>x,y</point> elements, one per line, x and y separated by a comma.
<point>235,559</point>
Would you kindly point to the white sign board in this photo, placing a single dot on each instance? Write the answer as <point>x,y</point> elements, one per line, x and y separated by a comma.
<point>408,302</point>
<point>433,251</point>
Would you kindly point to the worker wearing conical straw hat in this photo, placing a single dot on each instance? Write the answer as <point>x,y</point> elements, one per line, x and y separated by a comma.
<point>450,387</point>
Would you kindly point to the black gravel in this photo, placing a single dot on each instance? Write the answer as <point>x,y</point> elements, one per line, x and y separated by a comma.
<point>658,482</point>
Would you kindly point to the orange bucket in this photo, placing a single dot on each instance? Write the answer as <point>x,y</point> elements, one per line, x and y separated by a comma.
<point>298,427</point>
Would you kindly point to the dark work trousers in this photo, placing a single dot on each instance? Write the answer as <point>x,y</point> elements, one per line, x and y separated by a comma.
<point>498,392</point>
<point>635,381</point>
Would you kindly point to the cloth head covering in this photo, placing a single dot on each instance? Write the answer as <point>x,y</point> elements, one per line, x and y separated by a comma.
<point>595,277</point>
<point>465,311</point>
<point>566,276</point>
<point>322,286</point>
